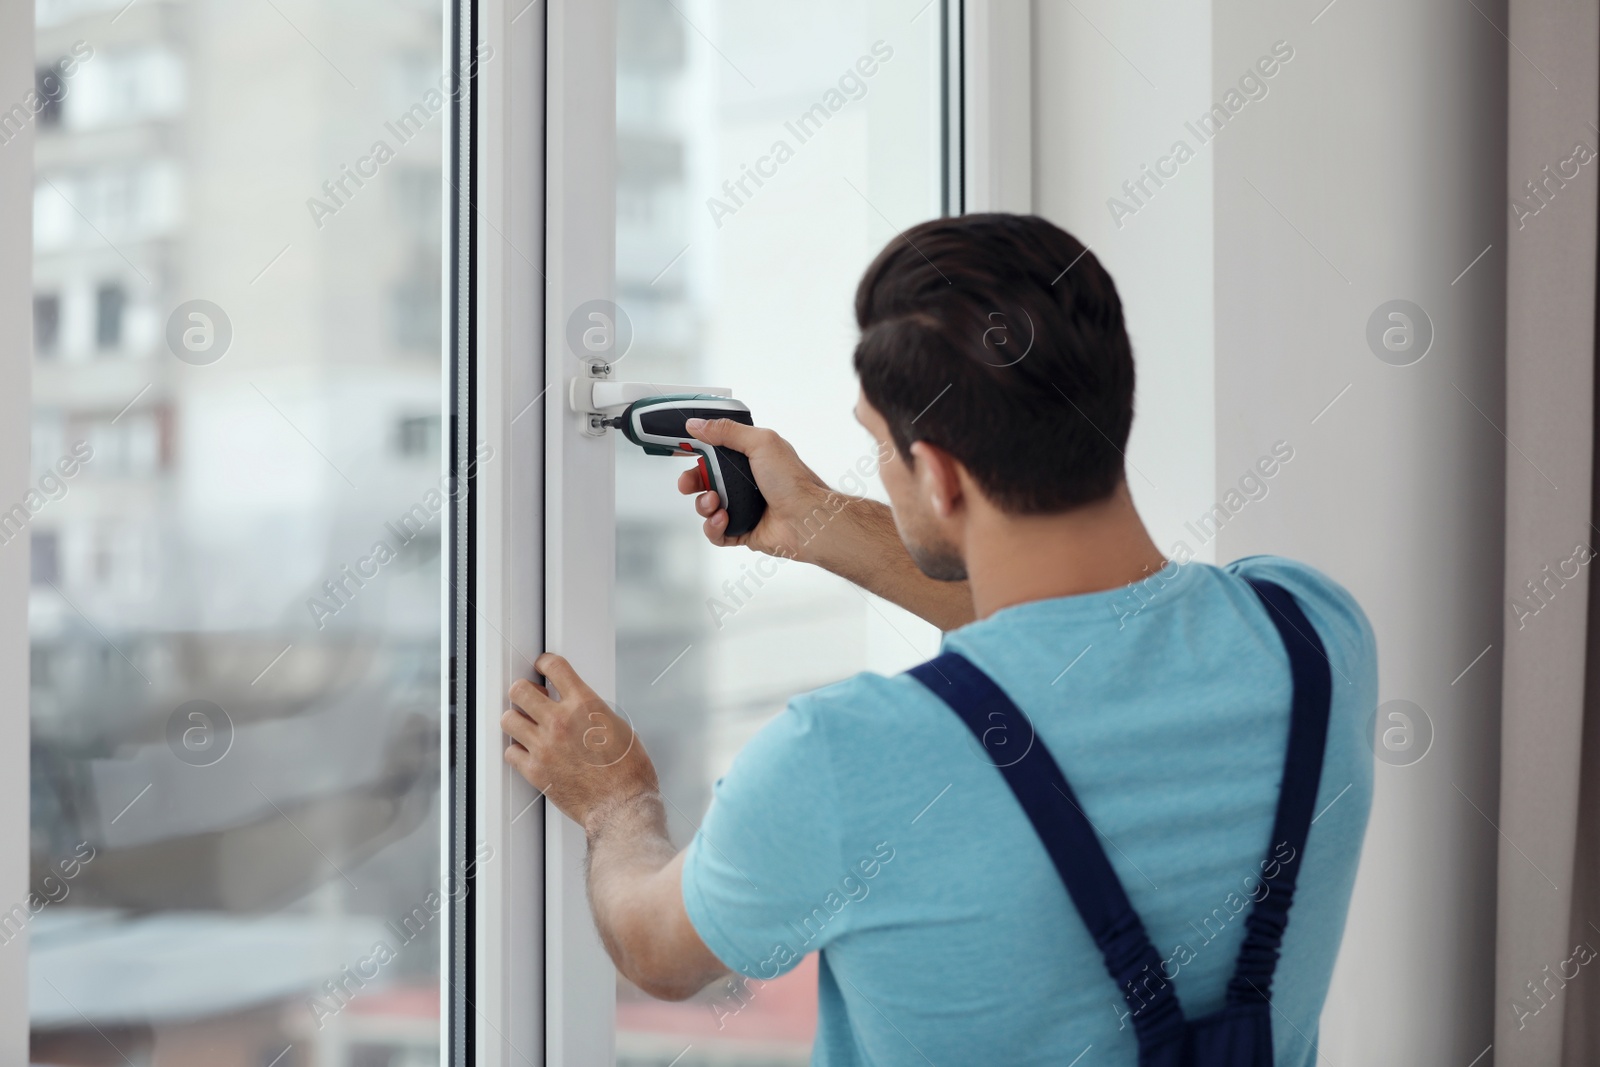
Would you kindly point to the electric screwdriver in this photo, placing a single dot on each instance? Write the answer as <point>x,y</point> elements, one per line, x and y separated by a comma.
<point>657,425</point>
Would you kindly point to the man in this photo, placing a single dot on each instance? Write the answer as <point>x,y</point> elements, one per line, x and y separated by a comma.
<point>867,822</point>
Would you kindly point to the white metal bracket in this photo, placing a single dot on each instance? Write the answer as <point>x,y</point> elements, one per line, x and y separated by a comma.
<point>598,397</point>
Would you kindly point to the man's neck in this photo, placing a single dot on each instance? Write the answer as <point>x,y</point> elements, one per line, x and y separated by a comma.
<point>1013,559</point>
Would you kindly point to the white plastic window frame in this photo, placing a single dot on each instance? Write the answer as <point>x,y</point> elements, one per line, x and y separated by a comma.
<point>16,419</point>
<point>989,168</point>
<point>995,50</point>
<point>535,208</point>
<point>580,480</point>
<point>497,294</point>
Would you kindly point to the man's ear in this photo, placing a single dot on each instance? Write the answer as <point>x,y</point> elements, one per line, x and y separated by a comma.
<point>938,476</point>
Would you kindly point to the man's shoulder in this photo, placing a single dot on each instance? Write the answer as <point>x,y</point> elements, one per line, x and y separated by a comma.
<point>865,701</point>
<point>857,746</point>
<point>1332,609</point>
<point>864,717</point>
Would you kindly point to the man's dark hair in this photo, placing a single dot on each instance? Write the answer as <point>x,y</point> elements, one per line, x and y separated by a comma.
<point>999,338</point>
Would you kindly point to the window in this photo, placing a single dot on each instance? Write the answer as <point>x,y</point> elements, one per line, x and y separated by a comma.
<point>758,172</point>
<point>237,704</point>
<point>416,193</point>
<point>46,324</point>
<point>109,302</point>
<point>261,719</point>
<point>127,445</point>
<point>48,83</point>
<point>128,83</point>
<point>414,304</point>
<point>418,436</point>
<point>46,560</point>
<point>109,203</point>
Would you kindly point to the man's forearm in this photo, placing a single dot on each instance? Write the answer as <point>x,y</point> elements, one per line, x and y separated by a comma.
<point>633,874</point>
<point>861,545</point>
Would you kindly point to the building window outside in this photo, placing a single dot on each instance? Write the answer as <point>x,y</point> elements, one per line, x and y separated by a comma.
<point>46,324</point>
<point>52,90</point>
<point>414,311</point>
<point>418,436</point>
<point>45,562</point>
<point>110,302</point>
<point>416,202</point>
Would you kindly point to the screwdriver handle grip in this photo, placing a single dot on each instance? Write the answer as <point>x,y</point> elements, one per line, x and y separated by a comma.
<point>742,497</point>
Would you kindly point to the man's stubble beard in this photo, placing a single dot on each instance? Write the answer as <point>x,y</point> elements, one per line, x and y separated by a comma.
<point>941,562</point>
<point>935,558</point>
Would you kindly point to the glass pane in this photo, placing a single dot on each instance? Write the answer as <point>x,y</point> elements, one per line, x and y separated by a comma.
<point>236,609</point>
<point>765,154</point>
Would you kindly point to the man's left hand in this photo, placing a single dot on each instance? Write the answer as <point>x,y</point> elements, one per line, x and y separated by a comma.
<point>569,744</point>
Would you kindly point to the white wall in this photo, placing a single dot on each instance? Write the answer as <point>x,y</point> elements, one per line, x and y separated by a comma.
<point>1114,84</point>
<point>1372,170</point>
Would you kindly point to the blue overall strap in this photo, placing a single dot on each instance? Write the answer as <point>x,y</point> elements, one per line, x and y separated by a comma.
<point>1297,796</point>
<point>1008,740</point>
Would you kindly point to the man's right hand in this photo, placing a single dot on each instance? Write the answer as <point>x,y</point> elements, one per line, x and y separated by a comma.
<point>798,502</point>
<point>852,536</point>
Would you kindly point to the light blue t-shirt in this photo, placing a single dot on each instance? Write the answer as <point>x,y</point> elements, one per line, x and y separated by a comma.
<point>866,822</point>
